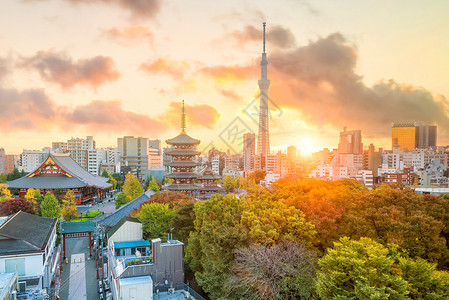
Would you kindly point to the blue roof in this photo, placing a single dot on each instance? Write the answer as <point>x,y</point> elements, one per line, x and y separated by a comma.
<point>132,244</point>
<point>125,210</point>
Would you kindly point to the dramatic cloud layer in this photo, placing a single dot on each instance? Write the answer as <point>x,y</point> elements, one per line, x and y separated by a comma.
<point>230,73</point>
<point>277,36</point>
<point>62,70</point>
<point>23,110</point>
<point>3,68</point>
<point>108,116</point>
<point>198,115</point>
<point>166,66</point>
<point>138,8</point>
<point>320,80</point>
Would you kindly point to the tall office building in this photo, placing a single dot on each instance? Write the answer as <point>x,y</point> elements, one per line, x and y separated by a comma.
<point>291,153</point>
<point>78,149</point>
<point>350,142</point>
<point>427,136</point>
<point>134,154</point>
<point>249,149</point>
<point>412,135</point>
<point>263,139</point>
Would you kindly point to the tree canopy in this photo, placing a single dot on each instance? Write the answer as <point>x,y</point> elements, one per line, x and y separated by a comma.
<point>132,187</point>
<point>50,206</point>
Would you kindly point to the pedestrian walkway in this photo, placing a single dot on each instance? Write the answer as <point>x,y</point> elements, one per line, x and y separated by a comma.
<point>70,277</point>
<point>77,286</point>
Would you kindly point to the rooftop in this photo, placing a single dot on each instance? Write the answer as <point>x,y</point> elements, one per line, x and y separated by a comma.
<point>67,174</point>
<point>183,139</point>
<point>6,280</point>
<point>132,244</point>
<point>24,232</point>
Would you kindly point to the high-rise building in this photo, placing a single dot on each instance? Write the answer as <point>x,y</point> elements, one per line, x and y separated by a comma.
<point>291,153</point>
<point>78,149</point>
<point>263,139</point>
<point>350,142</point>
<point>412,135</point>
<point>427,136</point>
<point>249,149</point>
<point>372,160</point>
<point>31,159</point>
<point>134,154</point>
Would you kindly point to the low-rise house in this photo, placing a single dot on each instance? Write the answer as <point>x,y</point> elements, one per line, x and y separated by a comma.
<point>28,248</point>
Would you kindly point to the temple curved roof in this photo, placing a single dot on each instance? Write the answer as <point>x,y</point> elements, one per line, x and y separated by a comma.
<point>209,175</point>
<point>69,174</point>
<point>183,139</point>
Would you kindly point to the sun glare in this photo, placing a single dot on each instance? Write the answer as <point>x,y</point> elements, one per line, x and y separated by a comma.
<point>306,146</point>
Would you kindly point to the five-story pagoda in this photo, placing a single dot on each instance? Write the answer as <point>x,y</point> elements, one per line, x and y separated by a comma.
<point>183,162</point>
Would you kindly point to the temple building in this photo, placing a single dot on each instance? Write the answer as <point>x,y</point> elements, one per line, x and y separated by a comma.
<point>58,174</point>
<point>209,182</point>
<point>183,162</point>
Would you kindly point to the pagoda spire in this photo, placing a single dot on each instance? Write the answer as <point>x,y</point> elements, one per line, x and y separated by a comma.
<point>183,119</point>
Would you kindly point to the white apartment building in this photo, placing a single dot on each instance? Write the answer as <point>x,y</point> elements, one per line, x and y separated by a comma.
<point>31,159</point>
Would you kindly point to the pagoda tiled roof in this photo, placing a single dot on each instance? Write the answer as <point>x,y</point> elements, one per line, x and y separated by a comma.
<point>183,187</point>
<point>209,175</point>
<point>77,176</point>
<point>182,175</point>
<point>176,152</point>
<point>212,188</point>
<point>183,139</point>
<point>182,164</point>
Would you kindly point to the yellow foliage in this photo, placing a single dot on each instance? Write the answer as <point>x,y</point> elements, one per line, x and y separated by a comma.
<point>5,193</point>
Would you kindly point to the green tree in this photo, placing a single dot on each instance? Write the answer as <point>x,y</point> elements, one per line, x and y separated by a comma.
<point>68,210</point>
<point>50,206</point>
<point>122,199</point>
<point>105,174</point>
<point>229,183</point>
<point>269,220</point>
<point>132,187</point>
<point>359,270</point>
<point>217,234</point>
<point>3,178</point>
<point>113,182</point>
<point>156,219</point>
<point>15,174</point>
<point>167,180</point>
<point>153,185</point>
<point>182,222</point>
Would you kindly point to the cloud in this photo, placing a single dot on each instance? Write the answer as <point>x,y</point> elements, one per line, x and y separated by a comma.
<point>138,8</point>
<point>230,94</point>
<point>129,33</point>
<point>4,68</point>
<point>166,66</point>
<point>60,69</point>
<point>108,116</point>
<point>276,36</point>
<point>27,109</point>
<point>198,115</point>
<point>222,74</point>
<point>319,80</point>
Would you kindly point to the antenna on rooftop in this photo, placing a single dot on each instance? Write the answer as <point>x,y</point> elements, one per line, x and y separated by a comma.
<point>183,119</point>
<point>264,23</point>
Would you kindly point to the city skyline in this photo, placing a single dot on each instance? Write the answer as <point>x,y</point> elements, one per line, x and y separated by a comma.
<point>65,72</point>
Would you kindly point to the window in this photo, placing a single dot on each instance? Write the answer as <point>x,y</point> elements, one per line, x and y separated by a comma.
<point>15,265</point>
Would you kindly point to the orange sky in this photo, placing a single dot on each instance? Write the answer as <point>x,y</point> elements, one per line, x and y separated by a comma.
<point>71,68</point>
